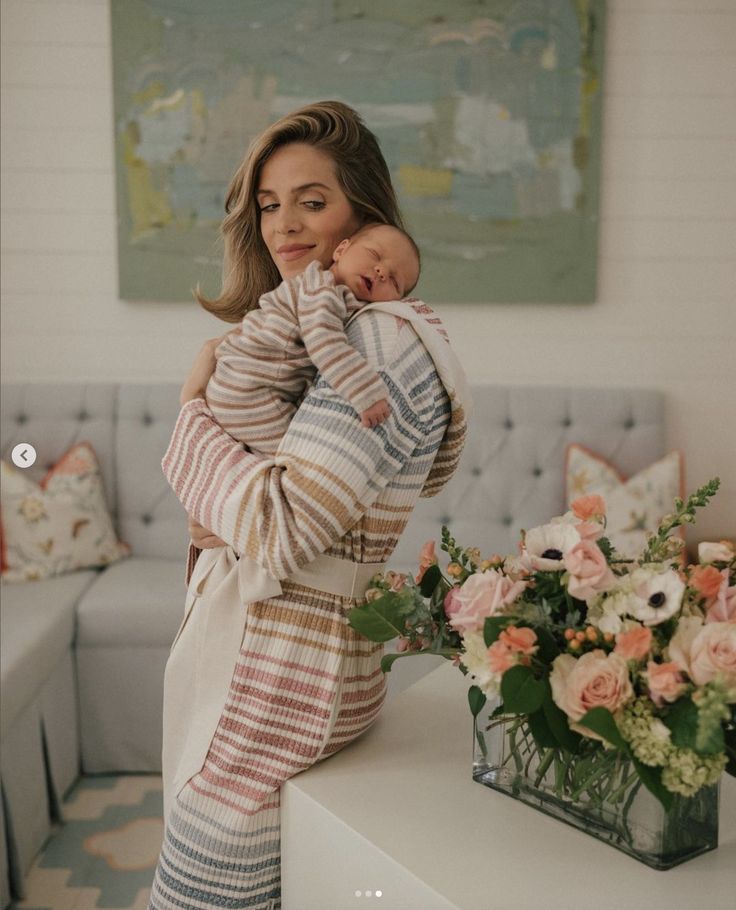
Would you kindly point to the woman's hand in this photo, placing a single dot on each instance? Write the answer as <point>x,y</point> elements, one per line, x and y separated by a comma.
<point>199,375</point>
<point>202,538</point>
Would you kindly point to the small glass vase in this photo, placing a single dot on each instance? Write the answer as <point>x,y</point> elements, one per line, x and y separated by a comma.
<point>596,791</point>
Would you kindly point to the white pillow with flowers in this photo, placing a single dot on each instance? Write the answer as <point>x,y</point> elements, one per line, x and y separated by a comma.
<point>634,505</point>
<point>58,525</point>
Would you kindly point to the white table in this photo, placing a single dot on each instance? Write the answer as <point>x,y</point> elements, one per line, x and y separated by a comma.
<point>398,811</point>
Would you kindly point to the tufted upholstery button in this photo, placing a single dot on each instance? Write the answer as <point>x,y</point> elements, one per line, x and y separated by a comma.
<point>21,418</point>
<point>147,420</point>
<point>567,422</point>
<point>537,472</point>
<point>508,423</point>
<point>476,472</point>
<point>146,519</point>
<point>82,415</point>
<point>49,465</point>
<point>445,520</point>
<point>629,423</point>
<point>507,520</point>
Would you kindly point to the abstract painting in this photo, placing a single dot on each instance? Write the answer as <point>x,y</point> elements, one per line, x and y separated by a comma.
<point>488,113</point>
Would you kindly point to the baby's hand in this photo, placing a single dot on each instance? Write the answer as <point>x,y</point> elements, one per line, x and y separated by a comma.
<point>376,413</point>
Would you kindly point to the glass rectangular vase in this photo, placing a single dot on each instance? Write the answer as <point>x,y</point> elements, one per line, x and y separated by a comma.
<point>597,792</point>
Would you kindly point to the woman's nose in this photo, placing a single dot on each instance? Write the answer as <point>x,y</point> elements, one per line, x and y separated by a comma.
<point>288,220</point>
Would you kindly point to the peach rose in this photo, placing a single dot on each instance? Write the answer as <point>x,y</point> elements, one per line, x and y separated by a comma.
<point>500,658</point>
<point>427,558</point>
<point>595,680</point>
<point>589,573</point>
<point>713,653</point>
<point>522,640</point>
<point>707,581</point>
<point>723,608</point>
<point>589,530</point>
<point>587,507</point>
<point>484,594</point>
<point>634,644</point>
<point>666,682</point>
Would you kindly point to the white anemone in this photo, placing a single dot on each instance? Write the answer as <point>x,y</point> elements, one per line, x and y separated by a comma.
<point>548,544</point>
<point>658,595</point>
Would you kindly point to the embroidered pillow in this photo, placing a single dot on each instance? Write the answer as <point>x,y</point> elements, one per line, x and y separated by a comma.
<point>58,525</point>
<point>635,505</point>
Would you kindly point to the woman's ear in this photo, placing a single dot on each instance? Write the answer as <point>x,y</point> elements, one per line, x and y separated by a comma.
<point>340,249</point>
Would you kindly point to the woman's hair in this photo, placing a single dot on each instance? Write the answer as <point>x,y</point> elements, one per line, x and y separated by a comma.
<point>363,175</point>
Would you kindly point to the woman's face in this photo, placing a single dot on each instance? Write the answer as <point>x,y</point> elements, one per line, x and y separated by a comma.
<point>304,212</point>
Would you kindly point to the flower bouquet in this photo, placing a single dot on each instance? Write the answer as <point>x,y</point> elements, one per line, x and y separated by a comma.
<point>604,688</point>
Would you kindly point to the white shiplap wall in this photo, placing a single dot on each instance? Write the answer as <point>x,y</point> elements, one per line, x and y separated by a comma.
<point>666,311</point>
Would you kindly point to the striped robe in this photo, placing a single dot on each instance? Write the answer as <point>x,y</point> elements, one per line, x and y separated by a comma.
<point>263,369</point>
<point>305,683</point>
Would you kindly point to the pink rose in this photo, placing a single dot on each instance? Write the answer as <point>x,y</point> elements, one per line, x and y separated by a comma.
<point>634,644</point>
<point>522,641</point>
<point>666,682</point>
<point>452,602</point>
<point>595,680</point>
<point>587,507</point>
<point>588,570</point>
<point>500,658</point>
<point>713,653</point>
<point>484,594</point>
<point>427,558</point>
<point>723,608</point>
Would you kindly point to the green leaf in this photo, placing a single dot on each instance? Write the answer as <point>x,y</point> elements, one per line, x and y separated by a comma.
<point>430,580</point>
<point>652,780</point>
<point>682,720</point>
<point>557,722</point>
<point>492,628</point>
<point>476,700</point>
<point>600,721</point>
<point>548,648</point>
<point>521,692</point>
<point>543,736</point>
<point>382,619</point>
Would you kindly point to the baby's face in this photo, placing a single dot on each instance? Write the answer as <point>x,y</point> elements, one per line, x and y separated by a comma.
<point>377,264</point>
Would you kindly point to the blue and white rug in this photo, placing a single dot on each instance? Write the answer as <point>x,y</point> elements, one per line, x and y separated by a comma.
<point>105,853</point>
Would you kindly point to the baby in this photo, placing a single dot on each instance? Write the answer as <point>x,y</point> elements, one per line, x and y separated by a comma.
<point>264,367</point>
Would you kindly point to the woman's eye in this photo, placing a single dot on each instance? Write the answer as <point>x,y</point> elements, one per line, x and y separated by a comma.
<point>271,207</point>
<point>314,205</point>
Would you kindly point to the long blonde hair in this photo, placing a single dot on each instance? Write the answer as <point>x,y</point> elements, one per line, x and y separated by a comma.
<point>363,175</point>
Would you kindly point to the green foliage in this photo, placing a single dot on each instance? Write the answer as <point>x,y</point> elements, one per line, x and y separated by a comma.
<point>430,580</point>
<point>684,513</point>
<point>384,618</point>
<point>476,700</point>
<point>600,721</point>
<point>521,692</point>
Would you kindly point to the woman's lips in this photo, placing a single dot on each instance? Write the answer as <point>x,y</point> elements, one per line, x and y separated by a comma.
<point>294,251</point>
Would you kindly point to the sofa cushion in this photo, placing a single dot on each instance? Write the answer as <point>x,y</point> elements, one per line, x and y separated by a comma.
<point>36,628</point>
<point>138,602</point>
<point>59,525</point>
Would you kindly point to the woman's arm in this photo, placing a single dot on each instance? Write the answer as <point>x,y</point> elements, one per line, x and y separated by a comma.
<point>284,510</point>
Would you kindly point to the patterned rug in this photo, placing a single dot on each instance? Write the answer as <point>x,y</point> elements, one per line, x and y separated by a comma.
<point>105,853</point>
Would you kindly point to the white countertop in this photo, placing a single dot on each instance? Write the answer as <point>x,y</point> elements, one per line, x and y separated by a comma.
<point>398,810</point>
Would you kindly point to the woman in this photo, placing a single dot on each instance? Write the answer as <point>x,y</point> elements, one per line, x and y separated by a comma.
<point>265,676</point>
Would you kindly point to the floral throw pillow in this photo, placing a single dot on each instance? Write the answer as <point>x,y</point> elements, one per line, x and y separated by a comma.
<point>58,525</point>
<point>635,505</point>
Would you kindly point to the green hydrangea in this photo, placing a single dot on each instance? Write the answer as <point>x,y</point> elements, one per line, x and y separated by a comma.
<point>646,734</point>
<point>687,772</point>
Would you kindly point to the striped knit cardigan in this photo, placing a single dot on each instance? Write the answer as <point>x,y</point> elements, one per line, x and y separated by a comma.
<point>333,485</point>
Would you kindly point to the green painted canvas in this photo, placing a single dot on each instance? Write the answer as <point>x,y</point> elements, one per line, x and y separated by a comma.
<point>488,113</point>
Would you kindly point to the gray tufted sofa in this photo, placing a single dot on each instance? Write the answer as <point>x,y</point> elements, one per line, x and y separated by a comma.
<point>83,654</point>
